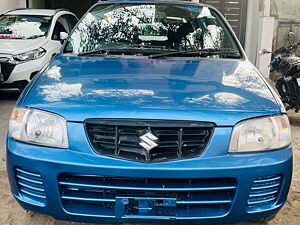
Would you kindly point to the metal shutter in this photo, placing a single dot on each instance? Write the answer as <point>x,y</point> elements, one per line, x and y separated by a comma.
<point>235,11</point>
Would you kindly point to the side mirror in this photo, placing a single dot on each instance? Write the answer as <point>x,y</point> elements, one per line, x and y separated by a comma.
<point>263,52</point>
<point>63,36</point>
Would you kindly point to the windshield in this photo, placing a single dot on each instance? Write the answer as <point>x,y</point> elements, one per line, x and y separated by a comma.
<point>155,27</point>
<point>24,26</point>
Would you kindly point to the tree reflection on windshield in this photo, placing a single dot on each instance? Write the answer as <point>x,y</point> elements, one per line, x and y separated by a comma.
<point>168,26</point>
<point>24,27</point>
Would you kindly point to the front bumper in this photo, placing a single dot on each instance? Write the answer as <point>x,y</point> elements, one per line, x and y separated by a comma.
<point>233,176</point>
<point>22,73</point>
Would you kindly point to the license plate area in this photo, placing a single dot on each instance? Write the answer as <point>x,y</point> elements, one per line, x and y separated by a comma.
<point>146,208</point>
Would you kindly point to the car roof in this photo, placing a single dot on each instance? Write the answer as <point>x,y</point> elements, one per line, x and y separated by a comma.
<point>37,12</point>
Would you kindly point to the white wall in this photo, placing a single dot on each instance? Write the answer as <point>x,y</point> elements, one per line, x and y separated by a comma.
<point>286,9</point>
<point>11,4</point>
<point>259,33</point>
<point>252,28</point>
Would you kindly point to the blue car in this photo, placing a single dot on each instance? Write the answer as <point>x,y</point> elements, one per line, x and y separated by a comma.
<point>151,113</point>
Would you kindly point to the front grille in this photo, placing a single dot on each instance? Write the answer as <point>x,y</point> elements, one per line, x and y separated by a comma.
<point>6,69</point>
<point>119,197</point>
<point>122,139</point>
<point>264,191</point>
<point>30,185</point>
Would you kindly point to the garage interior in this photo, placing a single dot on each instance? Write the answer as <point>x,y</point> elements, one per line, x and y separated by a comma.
<point>234,11</point>
<point>237,18</point>
<point>78,7</point>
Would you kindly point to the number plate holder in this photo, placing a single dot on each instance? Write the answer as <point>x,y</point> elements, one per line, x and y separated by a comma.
<point>145,208</point>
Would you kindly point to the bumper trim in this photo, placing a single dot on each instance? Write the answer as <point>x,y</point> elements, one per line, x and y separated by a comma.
<point>51,163</point>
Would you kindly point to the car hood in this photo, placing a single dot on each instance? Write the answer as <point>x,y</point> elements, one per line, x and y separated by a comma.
<point>214,90</point>
<point>17,46</point>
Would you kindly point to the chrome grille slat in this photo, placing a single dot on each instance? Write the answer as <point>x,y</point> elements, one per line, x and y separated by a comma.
<point>267,180</point>
<point>266,187</point>
<point>121,139</point>
<point>30,193</point>
<point>263,194</point>
<point>31,187</point>
<point>28,173</point>
<point>147,188</point>
<point>29,180</point>
<point>262,201</point>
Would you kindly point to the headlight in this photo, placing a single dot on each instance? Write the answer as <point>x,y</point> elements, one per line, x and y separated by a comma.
<point>31,55</point>
<point>261,134</point>
<point>38,127</point>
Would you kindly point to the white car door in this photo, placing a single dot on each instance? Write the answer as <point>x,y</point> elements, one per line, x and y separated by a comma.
<point>60,24</point>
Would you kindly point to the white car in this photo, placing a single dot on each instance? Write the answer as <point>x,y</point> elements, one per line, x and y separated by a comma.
<point>29,38</point>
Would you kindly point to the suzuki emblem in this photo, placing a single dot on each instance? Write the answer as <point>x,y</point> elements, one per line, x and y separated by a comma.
<point>148,141</point>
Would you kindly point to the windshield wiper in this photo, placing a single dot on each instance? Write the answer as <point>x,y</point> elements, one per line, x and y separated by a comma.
<point>207,52</point>
<point>94,52</point>
<point>127,47</point>
<point>35,36</point>
<point>146,46</point>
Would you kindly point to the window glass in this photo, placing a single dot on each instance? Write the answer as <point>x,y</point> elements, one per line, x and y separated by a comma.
<point>71,20</point>
<point>61,25</point>
<point>24,27</point>
<point>180,27</point>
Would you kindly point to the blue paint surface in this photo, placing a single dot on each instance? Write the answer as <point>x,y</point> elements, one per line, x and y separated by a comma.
<point>220,91</point>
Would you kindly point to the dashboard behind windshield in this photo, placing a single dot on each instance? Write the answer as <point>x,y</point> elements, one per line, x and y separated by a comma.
<point>164,26</point>
<point>24,26</point>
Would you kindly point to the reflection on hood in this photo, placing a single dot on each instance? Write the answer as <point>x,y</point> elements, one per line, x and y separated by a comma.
<point>123,92</point>
<point>54,72</point>
<point>221,98</point>
<point>59,91</point>
<point>98,83</point>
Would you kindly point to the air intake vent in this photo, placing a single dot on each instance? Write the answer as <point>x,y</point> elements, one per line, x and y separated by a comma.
<point>125,197</point>
<point>6,69</point>
<point>30,186</point>
<point>148,141</point>
<point>264,191</point>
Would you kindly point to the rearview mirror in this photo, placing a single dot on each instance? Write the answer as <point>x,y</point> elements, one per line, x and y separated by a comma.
<point>263,52</point>
<point>63,36</point>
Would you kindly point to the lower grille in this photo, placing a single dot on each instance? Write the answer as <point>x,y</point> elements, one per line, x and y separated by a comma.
<point>6,69</point>
<point>30,185</point>
<point>122,197</point>
<point>165,140</point>
<point>264,191</point>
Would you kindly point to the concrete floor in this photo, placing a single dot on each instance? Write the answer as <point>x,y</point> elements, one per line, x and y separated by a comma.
<point>12,214</point>
<point>7,103</point>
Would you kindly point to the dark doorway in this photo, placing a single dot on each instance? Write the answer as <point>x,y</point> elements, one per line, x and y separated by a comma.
<point>79,7</point>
